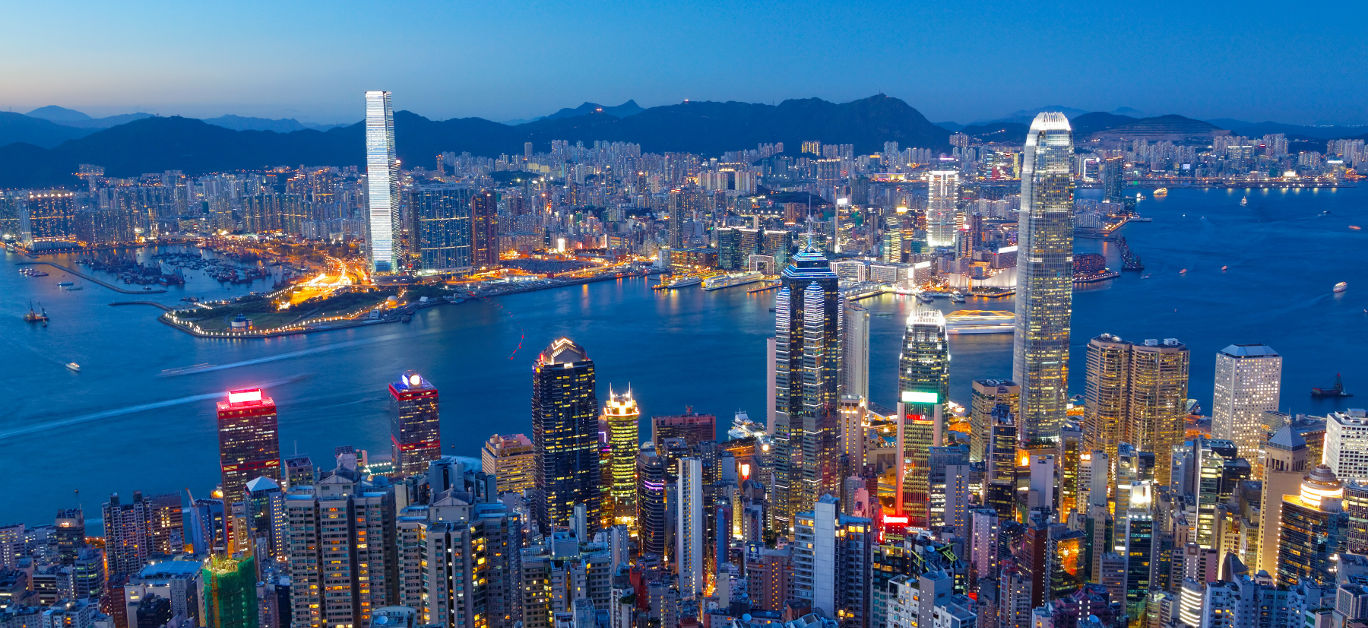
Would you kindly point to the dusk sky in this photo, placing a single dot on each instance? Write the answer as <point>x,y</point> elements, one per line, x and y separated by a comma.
<point>503,61</point>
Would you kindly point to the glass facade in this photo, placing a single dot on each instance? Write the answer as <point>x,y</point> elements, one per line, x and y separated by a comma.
<point>415,430</point>
<point>382,182</point>
<point>249,445</point>
<point>942,191</point>
<point>623,418</point>
<point>1044,297</point>
<point>924,364</point>
<point>442,228</point>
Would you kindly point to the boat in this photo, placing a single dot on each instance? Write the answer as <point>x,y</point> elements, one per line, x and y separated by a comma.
<point>1336,391</point>
<point>1354,227</point>
<point>1340,287</point>
<point>957,297</point>
<point>1244,201</point>
<point>980,322</point>
<point>1139,197</point>
<point>71,286</point>
<point>925,297</point>
<point>1182,272</point>
<point>1161,193</point>
<point>719,282</point>
<point>73,367</point>
<point>36,316</point>
<point>1225,268</point>
<point>681,282</point>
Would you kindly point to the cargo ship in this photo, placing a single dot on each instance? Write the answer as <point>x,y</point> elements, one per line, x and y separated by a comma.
<point>980,322</point>
<point>1335,391</point>
<point>719,282</point>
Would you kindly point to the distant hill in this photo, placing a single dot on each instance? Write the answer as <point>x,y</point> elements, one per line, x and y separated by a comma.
<point>17,127</point>
<point>247,123</point>
<point>629,108</point>
<point>195,146</point>
<point>77,119</point>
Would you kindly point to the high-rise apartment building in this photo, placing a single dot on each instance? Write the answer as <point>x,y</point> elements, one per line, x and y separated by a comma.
<point>623,418</point>
<point>249,443</point>
<point>1248,384</point>
<point>415,431</point>
<point>924,364</point>
<point>565,434</point>
<point>511,460</point>
<point>1136,393</point>
<point>343,551</point>
<point>942,192</point>
<point>382,184</point>
<point>484,230</point>
<point>1044,294</point>
<point>807,385</point>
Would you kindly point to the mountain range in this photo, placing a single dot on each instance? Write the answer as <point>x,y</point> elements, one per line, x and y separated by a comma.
<point>45,146</point>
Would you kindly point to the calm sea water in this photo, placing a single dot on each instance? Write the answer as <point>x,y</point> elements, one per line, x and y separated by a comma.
<point>124,423</point>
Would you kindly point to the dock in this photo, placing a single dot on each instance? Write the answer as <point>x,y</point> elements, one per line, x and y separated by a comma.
<point>764,288</point>
<point>94,280</point>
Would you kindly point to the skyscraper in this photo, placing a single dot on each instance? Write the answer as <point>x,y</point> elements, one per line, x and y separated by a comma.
<point>985,395</point>
<point>807,377</point>
<point>249,445</point>
<point>230,596</point>
<point>1248,383</point>
<point>511,460</point>
<point>624,443</point>
<point>691,528</point>
<point>382,183</point>
<point>442,228</point>
<point>1136,394</point>
<point>1346,444</point>
<point>1312,532</point>
<point>924,364</point>
<point>415,432</point>
<point>1044,297</point>
<point>484,230</point>
<point>942,190</point>
<point>565,434</point>
<point>856,346</point>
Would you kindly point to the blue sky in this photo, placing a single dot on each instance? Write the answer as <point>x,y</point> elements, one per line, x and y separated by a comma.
<point>1251,60</point>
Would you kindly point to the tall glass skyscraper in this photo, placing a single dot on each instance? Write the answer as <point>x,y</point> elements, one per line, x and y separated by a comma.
<point>808,325</point>
<point>382,183</point>
<point>942,190</point>
<point>415,431</point>
<point>1044,296</point>
<point>565,434</point>
<point>924,364</point>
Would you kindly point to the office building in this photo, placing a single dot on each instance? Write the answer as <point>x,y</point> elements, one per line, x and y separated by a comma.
<point>650,501</point>
<point>807,386</point>
<point>442,228</point>
<point>249,445</point>
<point>565,435</point>
<point>1136,393</point>
<point>1248,384</point>
<point>1044,293</point>
<point>511,460</point>
<point>1346,444</point>
<point>985,395</point>
<point>693,428</point>
<point>415,430</point>
<point>1285,465</point>
<point>856,346</point>
<point>382,185</point>
<point>623,419</point>
<point>924,364</point>
<point>1312,530</point>
<point>690,528</point>
<point>942,193</point>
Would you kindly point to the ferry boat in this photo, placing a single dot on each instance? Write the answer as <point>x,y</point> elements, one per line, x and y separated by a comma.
<point>1161,193</point>
<point>1340,287</point>
<point>66,285</point>
<point>73,367</point>
<point>32,272</point>
<point>682,282</point>
<point>719,282</point>
<point>957,297</point>
<point>1244,201</point>
<point>980,322</point>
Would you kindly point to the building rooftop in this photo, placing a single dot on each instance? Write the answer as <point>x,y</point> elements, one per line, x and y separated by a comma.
<point>1249,351</point>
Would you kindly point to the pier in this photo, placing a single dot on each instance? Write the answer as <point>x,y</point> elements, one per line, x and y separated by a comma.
<point>96,281</point>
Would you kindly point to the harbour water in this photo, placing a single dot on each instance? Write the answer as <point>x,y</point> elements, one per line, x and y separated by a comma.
<point>140,413</point>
